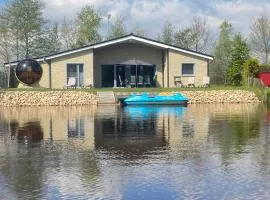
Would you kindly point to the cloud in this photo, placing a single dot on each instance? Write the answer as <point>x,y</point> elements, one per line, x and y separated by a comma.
<point>151,15</point>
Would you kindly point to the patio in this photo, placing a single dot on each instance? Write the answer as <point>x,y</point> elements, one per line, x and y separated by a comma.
<point>131,73</point>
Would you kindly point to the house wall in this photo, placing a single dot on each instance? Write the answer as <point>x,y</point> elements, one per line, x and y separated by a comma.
<point>176,59</point>
<point>168,64</point>
<point>122,52</point>
<point>59,67</point>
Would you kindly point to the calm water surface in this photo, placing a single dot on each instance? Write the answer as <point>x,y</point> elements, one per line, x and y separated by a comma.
<point>109,152</point>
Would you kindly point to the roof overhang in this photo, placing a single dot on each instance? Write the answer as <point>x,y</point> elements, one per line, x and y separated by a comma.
<point>129,38</point>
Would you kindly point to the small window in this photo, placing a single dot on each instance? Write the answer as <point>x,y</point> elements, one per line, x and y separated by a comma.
<point>187,69</point>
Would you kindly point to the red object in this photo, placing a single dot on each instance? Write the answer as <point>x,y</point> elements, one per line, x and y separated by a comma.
<point>265,77</point>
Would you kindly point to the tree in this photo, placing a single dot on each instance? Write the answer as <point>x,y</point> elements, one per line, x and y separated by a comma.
<point>138,30</point>
<point>222,54</point>
<point>260,36</point>
<point>68,34</point>
<point>88,21</point>
<point>25,22</point>
<point>240,53</point>
<point>5,42</point>
<point>167,34</point>
<point>10,22</point>
<point>251,68</point>
<point>201,33</point>
<point>184,38</point>
<point>117,28</point>
<point>54,38</point>
<point>47,42</point>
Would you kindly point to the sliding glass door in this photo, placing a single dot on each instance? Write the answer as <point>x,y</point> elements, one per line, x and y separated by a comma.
<point>76,71</point>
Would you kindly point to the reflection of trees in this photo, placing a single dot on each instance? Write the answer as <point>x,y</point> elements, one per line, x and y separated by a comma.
<point>262,151</point>
<point>233,133</point>
<point>23,166</point>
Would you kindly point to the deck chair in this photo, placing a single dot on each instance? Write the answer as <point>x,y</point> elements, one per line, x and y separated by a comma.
<point>206,81</point>
<point>147,81</point>
<point>178,81</point>
<point>120,81</point>
<point>154,81</point>
<point>71,83</point>
<point>132,81</point>
<point>191,82</point>
<point>87,83</point>
<point>140,80</point>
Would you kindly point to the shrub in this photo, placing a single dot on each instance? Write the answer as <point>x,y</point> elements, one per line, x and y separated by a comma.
<point>265,68</point>
<point>251,68</point>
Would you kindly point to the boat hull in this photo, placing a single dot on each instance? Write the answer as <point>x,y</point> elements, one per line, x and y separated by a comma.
<point>176,99</point>
<point>155,103</point>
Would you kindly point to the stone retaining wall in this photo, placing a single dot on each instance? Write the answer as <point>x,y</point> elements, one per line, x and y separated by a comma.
<point>67,98</point>
<point>221,96</point>
<point>49,98</point>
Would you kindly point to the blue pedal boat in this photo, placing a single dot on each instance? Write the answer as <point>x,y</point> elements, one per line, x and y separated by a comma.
<point>146,99</point>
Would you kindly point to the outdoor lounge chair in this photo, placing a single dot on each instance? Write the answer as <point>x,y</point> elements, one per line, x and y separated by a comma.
<point>87,84</point>
<point>71,83</point>
<point>191,82</point>
<point>140,80</point>
<point>154,81</point>
<point>120,81</point>
<point>206,81</point>
<point>132,81</point>
<point>147,81</point>
<point>178,81</point>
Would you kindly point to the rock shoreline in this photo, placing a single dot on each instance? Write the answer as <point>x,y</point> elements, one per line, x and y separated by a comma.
<point>73,98</point>
<point>221,96</point>
<point>50,98</point>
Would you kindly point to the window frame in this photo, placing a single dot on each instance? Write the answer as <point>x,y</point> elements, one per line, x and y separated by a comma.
<point>193,65</point>
<point>77,72</point>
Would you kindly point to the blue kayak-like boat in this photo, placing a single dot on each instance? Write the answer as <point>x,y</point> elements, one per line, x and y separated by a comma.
<point>146,99</point>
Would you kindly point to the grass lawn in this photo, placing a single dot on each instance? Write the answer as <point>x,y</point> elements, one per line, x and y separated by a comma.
<point>95,90</point>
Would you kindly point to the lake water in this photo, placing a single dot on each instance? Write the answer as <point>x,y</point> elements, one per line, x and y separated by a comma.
<point>200,152</point>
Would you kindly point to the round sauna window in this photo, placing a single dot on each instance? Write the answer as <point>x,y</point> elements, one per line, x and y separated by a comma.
<point>29,72</point>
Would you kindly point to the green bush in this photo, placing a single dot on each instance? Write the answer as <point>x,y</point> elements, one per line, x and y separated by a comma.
<point>234,75</point>
<point>265,67</point>
<point>251,68</point>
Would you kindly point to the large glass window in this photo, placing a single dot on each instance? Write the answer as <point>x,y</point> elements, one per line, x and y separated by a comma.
<point>76,70</point>
<point>188,69</point>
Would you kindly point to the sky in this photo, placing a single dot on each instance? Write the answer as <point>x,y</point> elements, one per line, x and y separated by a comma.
<point>151,14</point>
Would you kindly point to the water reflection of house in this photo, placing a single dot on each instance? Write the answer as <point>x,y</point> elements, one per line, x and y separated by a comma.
<point>113,126</point>
<point>135,133</point>
<point>57,123</point>
<point>120,128</point>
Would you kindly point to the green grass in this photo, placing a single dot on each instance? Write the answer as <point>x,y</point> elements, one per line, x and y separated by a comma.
<point>95,90</point>
<point>268,96</point>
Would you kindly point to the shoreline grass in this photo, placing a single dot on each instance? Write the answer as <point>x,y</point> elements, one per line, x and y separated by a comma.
<point>95,90</point>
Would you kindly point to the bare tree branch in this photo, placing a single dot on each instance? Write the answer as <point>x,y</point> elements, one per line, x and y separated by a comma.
<point>260,36</point>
